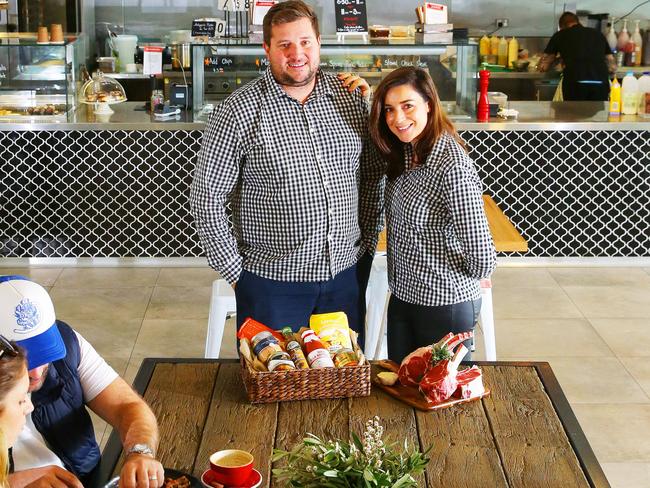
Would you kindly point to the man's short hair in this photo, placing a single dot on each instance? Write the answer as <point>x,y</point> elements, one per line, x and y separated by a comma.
<point>567,19</point>
<point>285,12</point>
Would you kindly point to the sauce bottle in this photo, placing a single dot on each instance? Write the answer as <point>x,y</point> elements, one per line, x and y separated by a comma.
<point>294,349</point>
<point>494,45</point>
<point>615,98</point>
<point>513,51</point>
<point>317,355</point>
<point>623,37</point>
<point>638,44</point>
<point>502,54</point>
<point>484,47</point>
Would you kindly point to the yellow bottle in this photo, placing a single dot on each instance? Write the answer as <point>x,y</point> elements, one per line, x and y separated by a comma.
<point>494,45</point>
<point>484,46</point>
<point>513,51</point>
<point>502,52</point>
<point>615,98</point>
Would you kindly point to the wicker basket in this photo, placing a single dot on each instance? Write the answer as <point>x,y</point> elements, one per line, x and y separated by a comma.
<point>305,384</point>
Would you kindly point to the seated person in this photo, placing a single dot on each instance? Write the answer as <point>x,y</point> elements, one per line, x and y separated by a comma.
<point>15,405</point>
<point>65,375</point>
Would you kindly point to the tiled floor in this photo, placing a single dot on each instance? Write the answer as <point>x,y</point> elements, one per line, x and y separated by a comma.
<point>591,324</point>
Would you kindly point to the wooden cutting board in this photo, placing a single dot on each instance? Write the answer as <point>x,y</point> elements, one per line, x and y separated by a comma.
<point>411,395</point>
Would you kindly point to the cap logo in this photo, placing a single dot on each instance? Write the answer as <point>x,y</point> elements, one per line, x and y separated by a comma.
<point>27,316</point>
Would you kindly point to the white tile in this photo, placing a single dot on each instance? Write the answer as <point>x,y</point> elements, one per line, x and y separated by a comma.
<point>626,337</point>
<point>627,475</point>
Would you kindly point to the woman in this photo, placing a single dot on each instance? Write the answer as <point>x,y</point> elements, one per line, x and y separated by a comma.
<point>439,243</point>
<point>15,405</point>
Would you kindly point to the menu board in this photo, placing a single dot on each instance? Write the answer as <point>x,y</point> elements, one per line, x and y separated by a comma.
<point>351,16</point>
<point>204,28</point>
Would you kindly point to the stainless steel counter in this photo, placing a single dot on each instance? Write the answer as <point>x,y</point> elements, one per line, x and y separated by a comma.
<point>544,116</point>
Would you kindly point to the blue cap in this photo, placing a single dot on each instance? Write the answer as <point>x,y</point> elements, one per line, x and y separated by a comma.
<point>27,317</point>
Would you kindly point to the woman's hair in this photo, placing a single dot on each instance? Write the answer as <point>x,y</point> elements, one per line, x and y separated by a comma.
<point>437,124</point>
<point>12,368</point>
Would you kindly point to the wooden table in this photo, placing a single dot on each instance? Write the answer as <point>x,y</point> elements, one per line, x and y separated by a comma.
<point>523,435</point>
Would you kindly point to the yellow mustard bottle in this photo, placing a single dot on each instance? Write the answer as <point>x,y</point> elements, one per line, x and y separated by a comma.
<point>494,45</point>
<point>615,98</point>
<point>484,46</point>
<point>502,52</point>
<point>513,51</point>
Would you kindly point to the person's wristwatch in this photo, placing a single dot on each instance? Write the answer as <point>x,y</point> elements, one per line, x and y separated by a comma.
<point>141,449</point>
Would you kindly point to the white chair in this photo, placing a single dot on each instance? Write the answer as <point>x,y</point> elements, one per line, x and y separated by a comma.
<point>486,318</point>
<point>376,306</point>
<point>221,304</point>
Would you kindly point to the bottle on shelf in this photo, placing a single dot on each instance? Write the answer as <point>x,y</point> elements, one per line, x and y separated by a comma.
<point>502,53</point>
<point>317,354</point>
<point>615,98</point>
<point>646,48</point>
<point>623,37</point>
<point>644,94</point>
<point>611,36</point>
<point>494,45</point>
<point>629,94</point>
<point>638,44</point>
<point>513,51</point>
<point>630,54</point>
<point>294,349</point>
<point>484,47</point>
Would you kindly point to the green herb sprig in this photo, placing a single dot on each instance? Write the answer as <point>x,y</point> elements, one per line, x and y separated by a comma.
<point>367,463</point>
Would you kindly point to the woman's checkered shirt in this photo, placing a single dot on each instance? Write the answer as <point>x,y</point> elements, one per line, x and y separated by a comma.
<point>439,244</point>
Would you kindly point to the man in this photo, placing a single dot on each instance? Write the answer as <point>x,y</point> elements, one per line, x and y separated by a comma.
<point>290,156</point>
<point>587,60</point>
<point>65,375</point>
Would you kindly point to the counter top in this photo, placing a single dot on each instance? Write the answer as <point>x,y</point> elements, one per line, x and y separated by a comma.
<point>547,116</point>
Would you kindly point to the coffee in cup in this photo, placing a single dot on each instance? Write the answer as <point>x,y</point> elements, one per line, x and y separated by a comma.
<point>231,466</point>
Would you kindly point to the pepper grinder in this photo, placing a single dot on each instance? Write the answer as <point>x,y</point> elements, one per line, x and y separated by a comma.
<point>483,109</point>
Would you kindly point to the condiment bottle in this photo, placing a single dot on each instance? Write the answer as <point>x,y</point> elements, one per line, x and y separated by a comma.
<point>502,54</point>
<point>483,108</point>
<point>494,45</point>
<point>611,36</point>
<point>623,37</point>
<point>638,44</point>
<point>294,349</point>
<point>484,46</point>
<point>317,355</point>
<point>513,51</point>
<point>615,98</point>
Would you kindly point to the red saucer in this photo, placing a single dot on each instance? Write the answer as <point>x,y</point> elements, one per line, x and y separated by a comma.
<point>253,481</point>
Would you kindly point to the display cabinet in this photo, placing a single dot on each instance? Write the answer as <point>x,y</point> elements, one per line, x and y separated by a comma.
<point>219,69</point>
<point>38,81</point>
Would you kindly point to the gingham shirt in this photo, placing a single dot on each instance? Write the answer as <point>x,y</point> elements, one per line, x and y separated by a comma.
<point>303,182</point>
<point>439,244</point>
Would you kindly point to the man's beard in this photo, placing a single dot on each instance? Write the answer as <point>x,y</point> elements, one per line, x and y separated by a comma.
<point>285,79</point>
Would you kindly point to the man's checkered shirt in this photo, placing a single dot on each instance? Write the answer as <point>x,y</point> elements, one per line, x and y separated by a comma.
<point>439,244</point>
<point>301,183</point>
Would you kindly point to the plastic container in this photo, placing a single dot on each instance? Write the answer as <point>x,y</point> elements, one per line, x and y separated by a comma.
<point>125,45</point>
<point>513,51</point>
<point>623,37</point>
<point>615,98</point>
<point>638,43</point>
<point>629,94</point>
<point>494,45</point>
<point>502,54</point>
<point>644,93</point>
<point>611,36</point>
<point>484,46</point>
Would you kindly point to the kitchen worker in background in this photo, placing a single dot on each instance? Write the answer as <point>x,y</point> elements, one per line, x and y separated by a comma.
<point>67,376</point>
<point>586,56</point>
<point>287,190</point>
<point>439,244</point>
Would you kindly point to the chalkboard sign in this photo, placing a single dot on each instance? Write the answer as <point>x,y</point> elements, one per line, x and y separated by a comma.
<point>204,28</point>
<point>351,16</point>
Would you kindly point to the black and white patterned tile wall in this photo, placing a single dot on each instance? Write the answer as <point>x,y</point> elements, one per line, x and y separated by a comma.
<point>125,193</point>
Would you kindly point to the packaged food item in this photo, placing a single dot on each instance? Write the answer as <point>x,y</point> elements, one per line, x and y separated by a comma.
<point>252,327</point>
<point>265,348</point>
<point>317,355</point>
<point>294,349</point>
<point>333,329</point>
<point>345,357</point>
<point>280,361</point>
<point>265,334</point>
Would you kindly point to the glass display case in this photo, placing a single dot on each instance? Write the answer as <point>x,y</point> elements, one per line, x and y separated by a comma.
<point>38,81</point>
<point>219,69</point>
